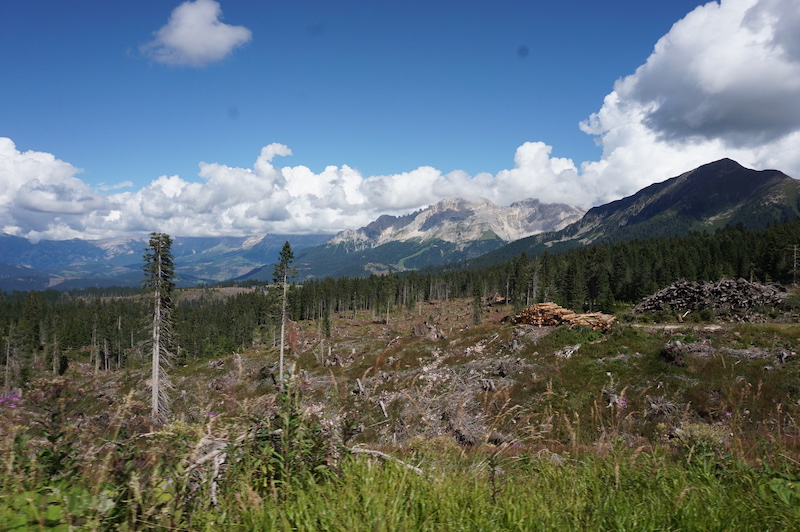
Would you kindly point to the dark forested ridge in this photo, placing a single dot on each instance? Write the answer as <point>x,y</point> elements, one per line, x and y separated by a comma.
<point>587,278</point>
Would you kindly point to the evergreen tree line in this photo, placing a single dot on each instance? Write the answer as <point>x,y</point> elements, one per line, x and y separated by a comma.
<point>44,331</point>
<point>591,278</point>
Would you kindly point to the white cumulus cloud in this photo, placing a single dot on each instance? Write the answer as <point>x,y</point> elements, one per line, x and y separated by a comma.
<point>40,195</point>
<point>724,82</point>
<point>43,197</point>
<point>195,36</point>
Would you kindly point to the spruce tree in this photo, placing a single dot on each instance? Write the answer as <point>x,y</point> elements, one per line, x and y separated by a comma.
<point>283,270</point>
<point>159,274</point>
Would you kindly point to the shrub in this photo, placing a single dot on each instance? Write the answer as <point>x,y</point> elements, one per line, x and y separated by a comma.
<point>701,441</point>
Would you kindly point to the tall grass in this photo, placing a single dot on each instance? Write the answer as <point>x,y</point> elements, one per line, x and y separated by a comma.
<point>623,492</point>
<point>152,486</point>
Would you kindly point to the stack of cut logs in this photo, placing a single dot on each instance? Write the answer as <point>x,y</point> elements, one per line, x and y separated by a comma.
<point>543,314</point>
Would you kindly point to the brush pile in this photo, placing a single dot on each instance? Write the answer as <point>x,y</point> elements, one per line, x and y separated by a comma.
<point>724,294</point>
<point>549,314</point>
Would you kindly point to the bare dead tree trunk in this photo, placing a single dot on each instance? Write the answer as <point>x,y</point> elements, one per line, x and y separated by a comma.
<point>283,327</point>
<point>158,277</point>
<point>282,272</point>
<point>156,354</point>
<point>95,350</point>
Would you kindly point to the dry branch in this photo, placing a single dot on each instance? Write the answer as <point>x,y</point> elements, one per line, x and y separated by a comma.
<point>373,452</point>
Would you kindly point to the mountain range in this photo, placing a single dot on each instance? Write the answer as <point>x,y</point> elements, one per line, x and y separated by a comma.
<point>451,230</point>
<point>707,198</point>
<point>68,264</point>
<point>454,230</point>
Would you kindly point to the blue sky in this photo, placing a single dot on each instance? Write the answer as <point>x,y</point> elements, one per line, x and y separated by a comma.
<point>237,117</point>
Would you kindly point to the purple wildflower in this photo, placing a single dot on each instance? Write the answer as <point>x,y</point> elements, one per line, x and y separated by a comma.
<point>11,400</point>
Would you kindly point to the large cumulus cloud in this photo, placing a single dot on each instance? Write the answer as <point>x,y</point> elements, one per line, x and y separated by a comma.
<point>47,200</point>
<point>724,82</point>
<point>41,195</point>
<point>727,71</point>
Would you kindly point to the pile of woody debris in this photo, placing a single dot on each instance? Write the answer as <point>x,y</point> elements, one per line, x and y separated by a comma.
<point>549,314</point>
<point>724,294</point>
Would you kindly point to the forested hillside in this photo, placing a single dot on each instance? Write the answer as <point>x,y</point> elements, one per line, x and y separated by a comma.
<point>713,196</point>
<point>590,278</point>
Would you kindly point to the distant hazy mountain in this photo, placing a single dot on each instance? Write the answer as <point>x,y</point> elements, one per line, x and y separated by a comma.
<point>451,230</point>
<point>25,265</point>
<point>706,198</point>
<point>14,277</point>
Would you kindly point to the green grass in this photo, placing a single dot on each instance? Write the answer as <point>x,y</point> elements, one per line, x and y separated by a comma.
<point>485,490</point>
<point>283,471</point>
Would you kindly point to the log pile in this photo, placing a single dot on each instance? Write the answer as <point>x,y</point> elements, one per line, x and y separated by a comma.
<point>725,294</point>
<point>549,314</point>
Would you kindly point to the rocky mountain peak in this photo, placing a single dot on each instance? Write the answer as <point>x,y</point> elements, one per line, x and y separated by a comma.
<point>461,222</point>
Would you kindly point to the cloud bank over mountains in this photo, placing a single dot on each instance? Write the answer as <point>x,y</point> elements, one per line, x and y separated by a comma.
<point>723,82</point>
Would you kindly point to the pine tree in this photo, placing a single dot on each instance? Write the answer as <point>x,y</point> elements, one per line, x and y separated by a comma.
<point>477,303</point>
<point>30,325</point>
<point>521,273</point>
<point>11,358</point>
<point>283,271</point>
<point>159,274</point>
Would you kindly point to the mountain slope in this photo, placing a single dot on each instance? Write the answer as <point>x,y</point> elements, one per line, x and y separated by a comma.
<point>13,277</point>
<point>707,198</point>
<point>461,222</point>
